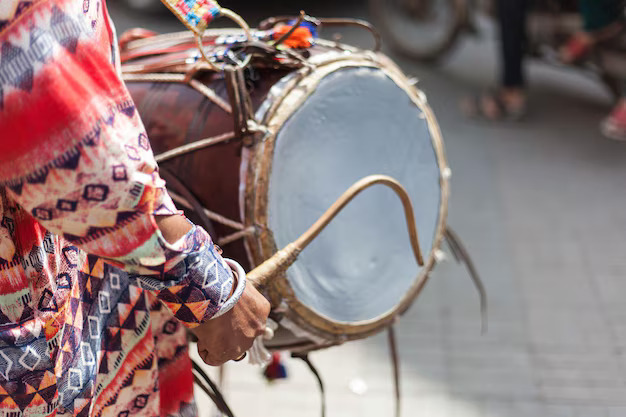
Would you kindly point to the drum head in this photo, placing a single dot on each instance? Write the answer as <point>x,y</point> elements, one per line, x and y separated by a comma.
<point>356,121</point>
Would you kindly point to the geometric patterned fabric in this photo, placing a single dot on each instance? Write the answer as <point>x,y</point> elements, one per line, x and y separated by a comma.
<point>195,14</point>
<point>93,301</point>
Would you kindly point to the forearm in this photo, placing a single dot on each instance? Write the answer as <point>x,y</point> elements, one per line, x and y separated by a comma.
<point>197,285</point>
<point>173,227</point>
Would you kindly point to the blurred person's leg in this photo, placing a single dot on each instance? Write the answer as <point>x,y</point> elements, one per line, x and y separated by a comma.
<point>508,101</point>
<point>603,19</point>
<point>512,22</point>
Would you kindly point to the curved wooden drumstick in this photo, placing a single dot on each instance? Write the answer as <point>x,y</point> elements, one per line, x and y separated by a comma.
<point>282,259</point>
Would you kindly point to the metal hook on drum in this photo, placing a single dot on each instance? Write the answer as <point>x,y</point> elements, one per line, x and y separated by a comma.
<point>358,23</point>
<point>246,30</point>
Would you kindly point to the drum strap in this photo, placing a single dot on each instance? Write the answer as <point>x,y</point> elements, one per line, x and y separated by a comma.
<point>305,358</point>
<point>202,379</point>
<point>396,372</point>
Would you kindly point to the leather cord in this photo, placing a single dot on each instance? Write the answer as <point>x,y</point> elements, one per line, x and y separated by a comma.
<point>462,255</point>
<point>188,195</point>
<point>395,362</point>
<point>203,379</point>
<point>305,358</point>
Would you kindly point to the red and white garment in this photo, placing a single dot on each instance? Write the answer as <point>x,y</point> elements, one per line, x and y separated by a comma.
<point>92,298</point>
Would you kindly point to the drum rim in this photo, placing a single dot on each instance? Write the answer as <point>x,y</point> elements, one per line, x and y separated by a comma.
<point>256,201</point>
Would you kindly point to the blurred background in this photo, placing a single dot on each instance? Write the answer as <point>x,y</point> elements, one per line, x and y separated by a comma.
<point>541,205</point>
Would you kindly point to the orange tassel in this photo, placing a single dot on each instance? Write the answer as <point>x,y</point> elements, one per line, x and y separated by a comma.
<point>300,38</point>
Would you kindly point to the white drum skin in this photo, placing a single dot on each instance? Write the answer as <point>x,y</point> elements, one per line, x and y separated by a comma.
<point>351,116</point>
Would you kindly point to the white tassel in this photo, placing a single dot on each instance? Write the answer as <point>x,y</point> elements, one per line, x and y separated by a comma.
<point>258,353</point>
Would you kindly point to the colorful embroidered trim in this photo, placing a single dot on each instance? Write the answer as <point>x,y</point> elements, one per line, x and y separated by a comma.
<point>195,14</point>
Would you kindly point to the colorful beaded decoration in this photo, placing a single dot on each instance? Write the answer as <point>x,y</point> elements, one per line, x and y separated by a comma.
<point>195,14</point>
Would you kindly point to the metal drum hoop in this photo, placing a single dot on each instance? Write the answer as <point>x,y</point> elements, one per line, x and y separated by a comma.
<point>256,194</point>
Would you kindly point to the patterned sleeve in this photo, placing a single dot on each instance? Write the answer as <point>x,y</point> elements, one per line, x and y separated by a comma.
<point>74,154</point>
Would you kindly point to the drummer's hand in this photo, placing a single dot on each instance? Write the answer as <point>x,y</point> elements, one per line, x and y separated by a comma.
<point>231,335</point>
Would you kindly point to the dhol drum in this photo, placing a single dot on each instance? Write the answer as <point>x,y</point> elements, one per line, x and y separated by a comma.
<point>261,152</point>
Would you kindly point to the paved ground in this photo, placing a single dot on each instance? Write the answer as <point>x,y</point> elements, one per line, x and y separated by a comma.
<point>541,205</point>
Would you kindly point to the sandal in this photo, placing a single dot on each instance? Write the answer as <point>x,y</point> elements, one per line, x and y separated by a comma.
<point>614,126</point>
<point>492,107</point>
<point>580,44</point>
<point>576,49</point>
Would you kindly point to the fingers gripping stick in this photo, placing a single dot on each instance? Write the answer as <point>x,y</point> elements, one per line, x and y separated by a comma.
<point>258,354</point>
